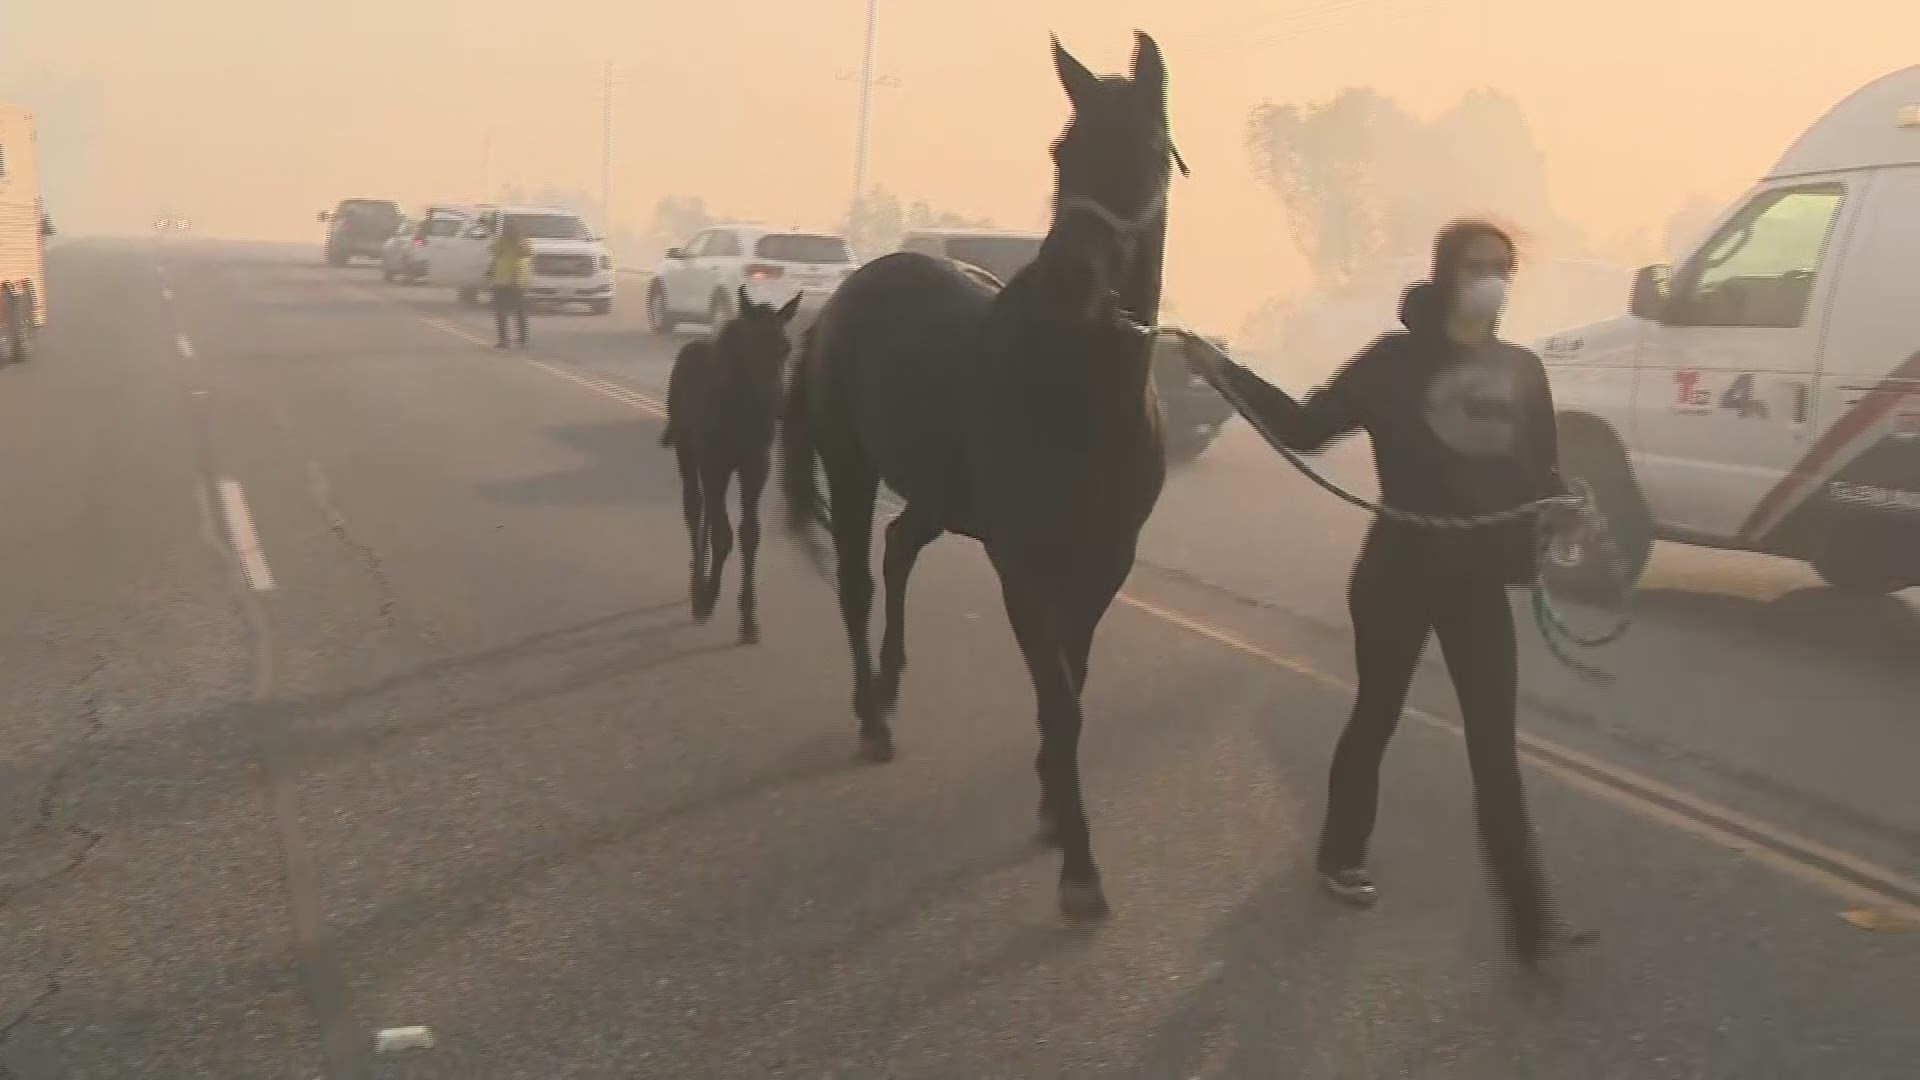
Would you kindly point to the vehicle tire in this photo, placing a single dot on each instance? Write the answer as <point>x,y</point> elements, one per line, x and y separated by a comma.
<point>720,310</point>
<point>1603,569</point>
<point>599,307</point>
<point>1864,578</point>
<point>659,319</point>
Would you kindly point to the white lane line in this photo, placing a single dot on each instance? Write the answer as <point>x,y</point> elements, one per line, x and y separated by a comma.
<point>167,295</point>
<point>624,395</point>
<point>186,347</point>
<point>240,532</point>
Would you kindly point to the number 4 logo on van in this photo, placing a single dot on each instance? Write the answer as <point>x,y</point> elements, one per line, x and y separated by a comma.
<point>1740,400</point>
<point>1692,396</point>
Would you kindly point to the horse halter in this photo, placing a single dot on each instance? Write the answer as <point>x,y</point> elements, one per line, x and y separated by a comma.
<point>1123,227</point>
<point>1126,229</point>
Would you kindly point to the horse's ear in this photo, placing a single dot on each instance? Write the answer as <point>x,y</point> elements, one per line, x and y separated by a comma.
<point>746,302</point>
<point>1079,83</point>
<point>1149,67</point>
<point>790,309</point>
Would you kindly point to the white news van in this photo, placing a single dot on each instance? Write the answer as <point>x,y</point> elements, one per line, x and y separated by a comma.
<point>1764,395</point>
<point>23,231</point>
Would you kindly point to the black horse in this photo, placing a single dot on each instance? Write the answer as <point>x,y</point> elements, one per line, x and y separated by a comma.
<point>723,401</point>
<point>1023,417</point>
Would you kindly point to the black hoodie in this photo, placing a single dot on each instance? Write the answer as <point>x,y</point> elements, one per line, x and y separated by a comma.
<point>1457,431</point>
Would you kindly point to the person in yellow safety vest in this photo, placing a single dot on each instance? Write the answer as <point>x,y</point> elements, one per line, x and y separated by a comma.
<point>507,276</point>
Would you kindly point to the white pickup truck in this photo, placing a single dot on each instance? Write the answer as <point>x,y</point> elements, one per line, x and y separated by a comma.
<point>571,264</point>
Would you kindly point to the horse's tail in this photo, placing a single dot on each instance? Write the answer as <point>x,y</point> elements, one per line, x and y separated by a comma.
<point>667,433</point>
<point>807,511</point>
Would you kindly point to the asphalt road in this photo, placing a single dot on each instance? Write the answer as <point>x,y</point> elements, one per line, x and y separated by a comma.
<point>347,685</point>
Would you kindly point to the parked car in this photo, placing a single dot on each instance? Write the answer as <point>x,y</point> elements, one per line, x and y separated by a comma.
<point>396,255</point>
<point>1192,410</point>
<point>359,228</point>
<point>700,279</point>
<point>571,263</point>
<point>408,256</point>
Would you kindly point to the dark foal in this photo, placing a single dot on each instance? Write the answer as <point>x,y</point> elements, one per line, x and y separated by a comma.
<point>1023,417</point>
<point>723,403</point>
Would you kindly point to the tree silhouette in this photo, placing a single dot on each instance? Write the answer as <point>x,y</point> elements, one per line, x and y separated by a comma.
<point>1362,178</point>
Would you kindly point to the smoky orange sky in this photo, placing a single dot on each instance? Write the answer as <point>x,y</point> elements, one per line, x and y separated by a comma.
<point>250,115</point>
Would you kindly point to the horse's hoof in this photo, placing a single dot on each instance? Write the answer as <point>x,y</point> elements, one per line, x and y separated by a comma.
<point>876,749</point>
<point>750,636</point>
<point>1083,900</point>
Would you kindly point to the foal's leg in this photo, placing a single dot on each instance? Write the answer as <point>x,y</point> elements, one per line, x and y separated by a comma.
<point>1036,610</point>
<point>907,535</point>
<point>695,513</point>
<point>714,481</point>
<point>753,480</point>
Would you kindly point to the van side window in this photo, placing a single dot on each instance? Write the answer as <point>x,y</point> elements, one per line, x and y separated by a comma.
<point>722,245</point>
<point>1759,269</point>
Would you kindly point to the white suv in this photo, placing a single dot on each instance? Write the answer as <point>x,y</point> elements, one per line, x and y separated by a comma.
<point>699,280</point>
<point>571,265</point>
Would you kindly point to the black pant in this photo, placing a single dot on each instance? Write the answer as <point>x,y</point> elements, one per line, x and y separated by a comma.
<point>1398,595</point>
<point>509,300</point>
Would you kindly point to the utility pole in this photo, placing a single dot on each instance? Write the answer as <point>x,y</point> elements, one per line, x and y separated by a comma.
<point>866,116</point>
<point>486,165</point>
<point>606,150</point>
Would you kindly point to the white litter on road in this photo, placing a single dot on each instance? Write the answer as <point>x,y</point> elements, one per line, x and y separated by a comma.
<point>402,1038</point>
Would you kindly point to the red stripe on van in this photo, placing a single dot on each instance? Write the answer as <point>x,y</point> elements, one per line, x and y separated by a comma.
<point>1820,461</point>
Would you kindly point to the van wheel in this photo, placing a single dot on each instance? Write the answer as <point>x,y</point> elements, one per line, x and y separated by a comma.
<point>659,319</point>
<point>1603,563</point>
<point>1855,576</point>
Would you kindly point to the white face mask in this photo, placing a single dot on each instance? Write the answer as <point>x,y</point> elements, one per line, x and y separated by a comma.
<point>1483,298</point>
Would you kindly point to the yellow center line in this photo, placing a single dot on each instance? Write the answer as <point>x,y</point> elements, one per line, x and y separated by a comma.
<point>1880,892</point>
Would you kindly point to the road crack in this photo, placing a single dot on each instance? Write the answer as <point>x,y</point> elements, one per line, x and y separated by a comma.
<point>46,807</point>
<point>39,1001</point>
<point>369,559</point>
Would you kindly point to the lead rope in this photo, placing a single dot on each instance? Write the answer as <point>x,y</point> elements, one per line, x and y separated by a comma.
<point>1558,636</point>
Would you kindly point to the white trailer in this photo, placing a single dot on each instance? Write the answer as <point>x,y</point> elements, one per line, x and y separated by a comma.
<point>24,229</point>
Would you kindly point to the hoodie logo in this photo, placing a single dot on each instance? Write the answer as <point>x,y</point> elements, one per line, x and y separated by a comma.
<point>1473,408</point>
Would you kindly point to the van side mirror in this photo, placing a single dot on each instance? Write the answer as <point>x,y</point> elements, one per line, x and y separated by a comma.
<point>676,253</point>
<point>322,216</point>
<point>46,227</point>
<point>1652,289</point>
